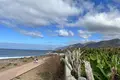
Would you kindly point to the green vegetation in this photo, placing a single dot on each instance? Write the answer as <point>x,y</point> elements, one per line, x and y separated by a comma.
<point>105,62</point>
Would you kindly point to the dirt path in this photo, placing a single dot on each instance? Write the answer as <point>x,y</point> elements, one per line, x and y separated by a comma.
<point>51,69</point>
<point>14,72</point>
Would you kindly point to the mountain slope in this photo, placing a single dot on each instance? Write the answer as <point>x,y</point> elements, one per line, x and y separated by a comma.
<point>105,43</point>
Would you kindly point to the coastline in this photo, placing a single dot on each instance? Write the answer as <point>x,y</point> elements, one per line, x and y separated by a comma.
<point>16,57</point>
<point>19,53</point>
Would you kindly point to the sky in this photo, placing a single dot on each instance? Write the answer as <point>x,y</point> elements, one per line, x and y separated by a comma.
<point>48,24</point>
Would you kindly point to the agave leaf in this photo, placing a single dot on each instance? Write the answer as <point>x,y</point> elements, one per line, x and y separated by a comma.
<point>107,62</point>
<point>118,69</point>
<point>99,66</point>
<point>114,61</point>
<point>98,59</point>
<point>101,69</point>
<point>97,76</point>
<point>93,57</point>
<point>103,63</point>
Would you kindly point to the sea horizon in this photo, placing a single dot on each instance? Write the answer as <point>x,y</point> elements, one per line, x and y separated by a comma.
<point>21,53</point>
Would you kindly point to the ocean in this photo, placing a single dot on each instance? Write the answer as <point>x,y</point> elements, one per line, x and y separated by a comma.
<point>16,53</point>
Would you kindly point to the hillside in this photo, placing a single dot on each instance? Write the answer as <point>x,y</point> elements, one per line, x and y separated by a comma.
<point>100,44</point>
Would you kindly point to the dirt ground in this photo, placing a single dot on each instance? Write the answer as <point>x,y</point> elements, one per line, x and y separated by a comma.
<point>52,69</point>
<point>6,64</point>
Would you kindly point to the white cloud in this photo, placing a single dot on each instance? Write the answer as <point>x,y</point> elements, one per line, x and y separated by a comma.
<point>71,33</point>
<point>25,32</point>
<point>117,1</point>
<point>46,12</point>
<point>112,35</point>
<point>101,21</point>
<point>105,23</point>
<point>64,33</point>
<point>31,33</point>
<point>36,12</point>
<point>84,34</point>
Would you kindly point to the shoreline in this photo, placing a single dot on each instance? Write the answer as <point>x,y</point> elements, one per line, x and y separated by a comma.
<point>16,57</point>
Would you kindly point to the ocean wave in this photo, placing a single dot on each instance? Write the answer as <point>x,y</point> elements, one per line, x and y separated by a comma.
<point>14,57</point>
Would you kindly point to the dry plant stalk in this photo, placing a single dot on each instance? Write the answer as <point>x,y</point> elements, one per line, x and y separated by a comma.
<point>75,61</point>
<point>88,70</point>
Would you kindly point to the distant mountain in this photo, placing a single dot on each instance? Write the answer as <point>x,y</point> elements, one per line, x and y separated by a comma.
<point>60,48</point>
<point>103,44</point>
<point>106,43</point>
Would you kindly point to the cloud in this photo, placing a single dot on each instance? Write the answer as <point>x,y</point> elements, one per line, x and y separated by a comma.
<point>84,34</point>
<point>106,23</point>
<point>103,19</point>
<point>41,12</point>
<point>31,33</point>
<point>22,31</point>
<point>64,33</point>
<point>112,35</point>
<point>29,46</point>
<point>37,12</point>
<point>117,1</point>
<point>71,33</point>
